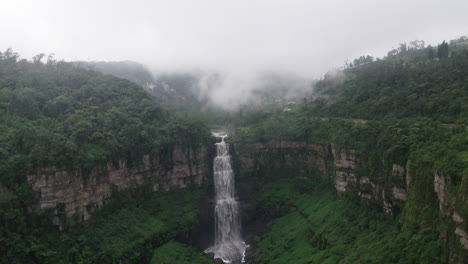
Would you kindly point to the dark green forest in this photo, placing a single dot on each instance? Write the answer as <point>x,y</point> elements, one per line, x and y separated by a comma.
<point>178,92</point>
<point>410,82</point>
<point>411,105</point>
<point>318,227</point>
<point>55,113</point>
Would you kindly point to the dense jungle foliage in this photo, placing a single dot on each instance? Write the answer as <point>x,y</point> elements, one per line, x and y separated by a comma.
<point>174,252</point>
<point>132,71</point>
<point>410,106</point>
<point>407,83</point>
<point>126,232</point>
<point>304,208</point>
<point>58,114</point>
<point>178,92</point>
<point>313,225</point>
<point>395,132</point>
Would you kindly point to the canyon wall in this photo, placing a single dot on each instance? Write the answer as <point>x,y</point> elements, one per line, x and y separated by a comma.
<point>80,192</point>
<point>347,171</point>
<point>308,158</point>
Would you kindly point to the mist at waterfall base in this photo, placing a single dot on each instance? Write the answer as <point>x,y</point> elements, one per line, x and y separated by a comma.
<point>228,244</point>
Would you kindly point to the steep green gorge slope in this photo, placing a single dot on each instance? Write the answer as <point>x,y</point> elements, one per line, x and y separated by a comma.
<point>316,226</point>
<point>126,232</point>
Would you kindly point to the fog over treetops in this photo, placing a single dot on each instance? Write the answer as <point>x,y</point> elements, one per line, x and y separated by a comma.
<point>233,47</point>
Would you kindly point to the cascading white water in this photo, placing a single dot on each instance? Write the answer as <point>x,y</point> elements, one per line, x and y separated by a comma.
<point>228,245</point>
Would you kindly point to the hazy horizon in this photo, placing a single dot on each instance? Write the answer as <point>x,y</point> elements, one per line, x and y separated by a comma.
<point>304,37</point>
<point>238,39</point>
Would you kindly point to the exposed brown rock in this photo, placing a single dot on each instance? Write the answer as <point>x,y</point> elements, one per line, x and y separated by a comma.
<point>457,218</point>
<point>341,181</point>
<point>344,158</point>
<point>398,170</point>
<point>440,185</point>
<point>399,193</point>
<point>81,192</point>
<point>463,236</point>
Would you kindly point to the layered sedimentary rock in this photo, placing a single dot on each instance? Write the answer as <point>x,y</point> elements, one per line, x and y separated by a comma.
<point>80,192</point>
<point>341,163</point>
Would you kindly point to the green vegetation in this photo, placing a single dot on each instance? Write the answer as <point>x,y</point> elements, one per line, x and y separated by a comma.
<point>407,107</point>
<point>174,252</point>
<point>319,227</point>
<point>392,140</point>
<point>410,106</point>
<point>62,115</point>
<point>407,83</point>
<point>132,71</point>
<point>394,134</point>
<point>123,234</point>
<point>177,92</point>
<point>429,145</point>
<point>57,114</point>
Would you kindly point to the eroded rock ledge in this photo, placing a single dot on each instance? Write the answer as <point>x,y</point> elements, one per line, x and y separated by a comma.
<point>81,192</point>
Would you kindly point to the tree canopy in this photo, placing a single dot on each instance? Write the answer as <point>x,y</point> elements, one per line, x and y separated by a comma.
<point>56,113</point>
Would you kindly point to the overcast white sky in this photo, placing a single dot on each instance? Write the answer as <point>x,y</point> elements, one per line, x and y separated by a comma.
<point>305,37</point>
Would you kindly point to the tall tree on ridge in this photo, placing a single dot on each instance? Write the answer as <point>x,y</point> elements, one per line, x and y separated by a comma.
<point>442,50</point>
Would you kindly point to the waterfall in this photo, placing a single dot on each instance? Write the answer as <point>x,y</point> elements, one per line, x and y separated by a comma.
<point>228,245</point>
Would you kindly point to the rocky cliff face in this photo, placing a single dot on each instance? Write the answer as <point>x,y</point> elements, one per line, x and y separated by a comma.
<point>309,158</point>
<point>452,206</point>
<point>343,165</point>
<point>350,176</point>
<point>346,170</point>
<point>81,192</point>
